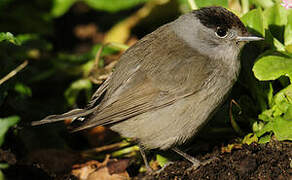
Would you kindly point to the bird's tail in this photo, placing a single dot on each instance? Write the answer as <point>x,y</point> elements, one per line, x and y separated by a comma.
<point>75,113</point>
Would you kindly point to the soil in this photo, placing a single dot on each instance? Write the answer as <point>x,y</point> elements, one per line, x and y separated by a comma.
<point>256,161</point>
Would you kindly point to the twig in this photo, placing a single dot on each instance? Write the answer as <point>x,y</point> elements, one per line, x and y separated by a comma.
<point>105,148</point>
<point>14,72</point>
<point>110,66</point>
<point>114,45</point>
<point>97,57</point>
<point>232,120</point>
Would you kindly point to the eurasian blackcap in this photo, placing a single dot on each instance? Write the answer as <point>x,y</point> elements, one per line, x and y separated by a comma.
<point>169,84</point>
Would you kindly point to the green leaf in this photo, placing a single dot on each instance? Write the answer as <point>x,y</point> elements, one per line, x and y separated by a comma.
<point>124,151</point>
<point>282,129</point>
<point>280,108</point>
<point>250,138</point>
<point>265,138</point>
<point>270,95</point>
<point>24,38</point>
<point>288,30</point>
<point>278,119</point>
<point>257,125</point>
<point>1,175</point>
<point>254,20</point>
<point>285,95</point>
<point>275,18</point>
<point>272,67</point>
<point>72,92</point>
<point>204,3</point>
<point>265,116</point>
<point>276,15</point>
<point>107,50</point>
<point>263,3</point>
<point>288,114</point>
<point>22,89</point>
<point>267,128</point>
<point>289,48</point>
<point>161,160</point>
<point>275,43</point>
<point>4,165</point>
<point>9,37</point>
<point>60,7</point>
<point>184,6</point>
<point>5,124</point>
<point>113,5</point>
<point>279,46</point>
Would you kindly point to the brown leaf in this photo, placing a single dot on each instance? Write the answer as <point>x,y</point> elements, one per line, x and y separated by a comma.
<point>103,174</point>
<point>107,170</point>
<point>117,167</point>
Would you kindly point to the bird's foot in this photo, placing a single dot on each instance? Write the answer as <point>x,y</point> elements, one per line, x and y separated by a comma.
<point>197,163</point>
<point>150,171</point>
<point>163,168</point>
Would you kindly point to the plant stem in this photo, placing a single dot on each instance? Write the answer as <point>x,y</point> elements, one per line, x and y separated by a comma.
<point>192,4</point>
<point>232,120</point>
<point>14,72</point>
<point>245,6</point>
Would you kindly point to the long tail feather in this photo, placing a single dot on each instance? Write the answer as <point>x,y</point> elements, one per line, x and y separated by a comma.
<point>71,114</point>
<point>77,129</point>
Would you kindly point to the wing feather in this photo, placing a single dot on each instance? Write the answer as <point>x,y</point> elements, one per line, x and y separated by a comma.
<point>142,93</point>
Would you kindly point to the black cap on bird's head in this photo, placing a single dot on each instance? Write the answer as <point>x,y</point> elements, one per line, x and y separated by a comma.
<point>221,20</point>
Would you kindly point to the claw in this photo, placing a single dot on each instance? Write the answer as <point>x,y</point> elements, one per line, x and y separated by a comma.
<point>161,169</point>
<point>195,166</point>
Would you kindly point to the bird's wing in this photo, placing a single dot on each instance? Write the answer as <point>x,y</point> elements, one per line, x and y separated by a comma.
<point>98,93</point>
<point>150,89</point>
<point>126,70</point>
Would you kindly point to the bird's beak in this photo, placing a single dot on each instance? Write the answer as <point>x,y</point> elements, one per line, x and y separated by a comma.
<point>249,38</point>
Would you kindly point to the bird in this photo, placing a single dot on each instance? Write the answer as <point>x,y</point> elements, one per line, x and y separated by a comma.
<point>167,85</point>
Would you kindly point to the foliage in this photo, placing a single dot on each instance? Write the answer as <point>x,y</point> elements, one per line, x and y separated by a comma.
<point>203,3</point>
<point>60,7</point>
<point>9,37</point>
<point>275,24</point>
<point>5,124</point>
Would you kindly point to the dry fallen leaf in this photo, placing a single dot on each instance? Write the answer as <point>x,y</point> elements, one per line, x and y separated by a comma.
<point>109,169</point>
<point>103,174</point>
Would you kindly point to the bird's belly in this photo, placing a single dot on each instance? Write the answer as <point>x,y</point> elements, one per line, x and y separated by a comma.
<point>178,122</point>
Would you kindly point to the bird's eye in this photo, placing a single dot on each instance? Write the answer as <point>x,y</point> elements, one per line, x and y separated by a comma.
<point>221,32</point>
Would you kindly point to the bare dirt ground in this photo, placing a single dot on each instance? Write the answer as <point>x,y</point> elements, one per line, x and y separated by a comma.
<point>256,161</point>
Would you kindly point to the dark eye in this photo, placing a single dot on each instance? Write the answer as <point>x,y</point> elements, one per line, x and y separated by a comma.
<point>221,32</point>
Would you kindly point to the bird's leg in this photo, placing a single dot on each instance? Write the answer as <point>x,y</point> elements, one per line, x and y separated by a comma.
<point>196,162</point>
<point>148,168</point>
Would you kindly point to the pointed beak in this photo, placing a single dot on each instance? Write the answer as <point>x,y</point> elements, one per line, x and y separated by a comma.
<point>249,38</point>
